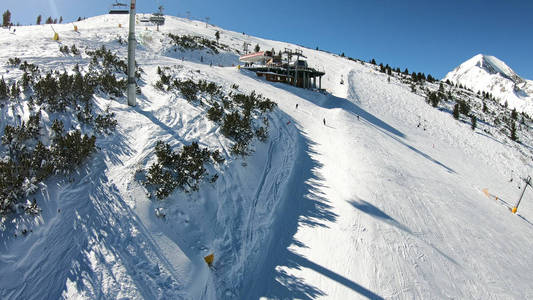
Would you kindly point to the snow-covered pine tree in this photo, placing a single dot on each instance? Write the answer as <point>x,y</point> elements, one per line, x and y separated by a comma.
<point>3,89</point>
<point>473,120</point>
<point>6,18</point>
<point>513,136</point>
<point>456,111</point>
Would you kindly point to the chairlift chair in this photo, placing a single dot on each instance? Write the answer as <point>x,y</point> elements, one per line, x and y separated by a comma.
<point>119,8</point>
<point>157,19</point>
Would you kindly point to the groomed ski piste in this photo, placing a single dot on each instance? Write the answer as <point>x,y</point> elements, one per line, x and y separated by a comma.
<point>367,205</point>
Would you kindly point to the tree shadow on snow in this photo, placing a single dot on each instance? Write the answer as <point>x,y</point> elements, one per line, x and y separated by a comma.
<point>329,101</point>
<point>304,204</point>
<point>377,213</point>
<point>94,233</point>
<point>336,102</point>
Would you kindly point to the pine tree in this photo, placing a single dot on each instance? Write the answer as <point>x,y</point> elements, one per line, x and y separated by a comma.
<point>514,114</point>
<point>513,132</point>
<point>456,111</point>
<point>26,81</point>
<point>6,18</point>
<point>39,19</point>
<point>61,19</point>
<point>373,61</point>
<point>3,89</point>
<point>474,122</point>
<point>49,21</point>
<point>15,91</point>
<point>74,50</point>
<point>464,108</point>
<point>217,35</point>
<point>257,48</point>
<point>433,99</point>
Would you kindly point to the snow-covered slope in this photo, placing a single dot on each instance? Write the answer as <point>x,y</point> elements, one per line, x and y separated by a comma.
<point>489,74</point>
<point>349,198</point>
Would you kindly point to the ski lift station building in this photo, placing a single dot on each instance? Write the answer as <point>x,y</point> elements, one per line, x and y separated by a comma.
<point>276,69</point>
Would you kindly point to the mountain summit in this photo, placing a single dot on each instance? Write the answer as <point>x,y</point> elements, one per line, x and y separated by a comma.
<point>490,74</point>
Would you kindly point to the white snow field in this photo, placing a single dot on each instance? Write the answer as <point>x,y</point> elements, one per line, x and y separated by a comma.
<point>367,205</point>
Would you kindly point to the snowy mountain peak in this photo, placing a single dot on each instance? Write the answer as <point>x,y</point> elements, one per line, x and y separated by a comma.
<point>490,74</point>
<point>492,65</point>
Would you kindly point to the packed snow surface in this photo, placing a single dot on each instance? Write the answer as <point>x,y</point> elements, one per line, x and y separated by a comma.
<point>348,199</point>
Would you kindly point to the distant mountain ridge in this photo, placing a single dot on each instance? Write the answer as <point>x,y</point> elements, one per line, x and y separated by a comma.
<point>490,74</point>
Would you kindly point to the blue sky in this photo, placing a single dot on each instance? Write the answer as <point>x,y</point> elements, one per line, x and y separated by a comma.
<point>422,35</point>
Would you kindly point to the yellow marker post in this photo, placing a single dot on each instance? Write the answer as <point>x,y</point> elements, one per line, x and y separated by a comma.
<point>119,25</point>
<point>76,28</point>
<point>514,210</point>
<point>209,259</point>
<point>56,37</point>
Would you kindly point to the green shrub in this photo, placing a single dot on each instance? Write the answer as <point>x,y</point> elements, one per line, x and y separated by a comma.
<point>184,170</point>
<point>105,123</point>
<point>215,113</point>
<point>27,165</point>
<point>13,61</point>
<point>191,42</point>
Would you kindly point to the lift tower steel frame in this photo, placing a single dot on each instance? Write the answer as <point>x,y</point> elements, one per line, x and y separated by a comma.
<point>132,43</point>
<point>528,183</point>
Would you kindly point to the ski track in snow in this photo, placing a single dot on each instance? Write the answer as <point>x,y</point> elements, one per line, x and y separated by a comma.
<point>366,206</point>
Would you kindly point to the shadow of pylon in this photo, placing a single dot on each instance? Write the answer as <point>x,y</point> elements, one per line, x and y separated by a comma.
<point>497,199</point>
